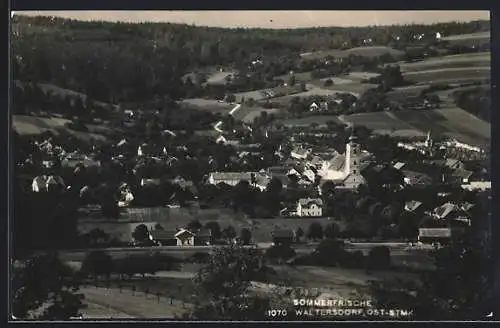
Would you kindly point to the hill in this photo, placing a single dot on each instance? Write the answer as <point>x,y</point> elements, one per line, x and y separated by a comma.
<point>115,62</point>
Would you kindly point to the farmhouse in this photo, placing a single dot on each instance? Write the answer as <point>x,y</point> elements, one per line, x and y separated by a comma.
<point>185,237</point>
<point>310,207</point>
<point>164,237</point>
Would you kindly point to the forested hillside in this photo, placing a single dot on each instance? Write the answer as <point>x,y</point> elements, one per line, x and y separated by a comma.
<point>115,62</point>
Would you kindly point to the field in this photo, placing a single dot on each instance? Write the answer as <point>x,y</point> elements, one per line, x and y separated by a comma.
<point>452,122</point>
<point>248,114</point>
<point>210,105</point>
<point>451,74</point>
<point>31,125</point>
<point>472,39</point>
<point>359,51</point>
<point>465,60</point>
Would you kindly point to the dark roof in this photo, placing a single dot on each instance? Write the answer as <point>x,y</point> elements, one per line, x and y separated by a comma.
<point>163,234</point>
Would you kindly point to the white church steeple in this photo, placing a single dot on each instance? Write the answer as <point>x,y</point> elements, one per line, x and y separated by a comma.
<point>352,153</point>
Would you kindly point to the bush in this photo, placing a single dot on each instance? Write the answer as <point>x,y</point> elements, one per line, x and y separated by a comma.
<point>328,82</point>
<point>97,263</point>
<point>379,258</point>
<point>280,253</point>
<point>330,252</point>
<point>199,257</point>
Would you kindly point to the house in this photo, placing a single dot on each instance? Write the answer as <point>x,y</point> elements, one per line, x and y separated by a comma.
<point>45,183</point>
<point>164,237</point>
<point>452,212</point>
<point>434,235</point>
<point>477,185</point>
<point>353,181</point>
<point>126,195</point>
<point>203,237</point>
<point>413,206</point>
<point>39,183</point>
<point>222,140</point>
<point>300,153</point>
<point>461,176</point>
<point>454,164</point>
<point>257,179</point>
<point>150,182</point>
<point>399,165</point>
<point>416,178</point>
<point>313,107</point>
<point>443,211</point>
<point>310,207</point>
<point>283,237</point>
<point>185,238</point>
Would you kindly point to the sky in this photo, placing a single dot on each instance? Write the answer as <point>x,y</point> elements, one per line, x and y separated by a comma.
<point>273,18</point>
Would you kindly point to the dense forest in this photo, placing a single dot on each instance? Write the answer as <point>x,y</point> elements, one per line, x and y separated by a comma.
<point>116,62</point>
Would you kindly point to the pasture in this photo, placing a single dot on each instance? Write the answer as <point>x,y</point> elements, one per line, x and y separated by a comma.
<point>210,105</point>
<point>374,51</point>
<point>32,125</point>
<point>450,122</point>
<point>456,61</point>
<point>451,74</point>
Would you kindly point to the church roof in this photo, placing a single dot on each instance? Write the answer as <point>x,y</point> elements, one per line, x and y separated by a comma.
<point>337,163</point>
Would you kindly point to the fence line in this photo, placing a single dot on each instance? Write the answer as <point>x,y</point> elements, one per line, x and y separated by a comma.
<point>158,296</point>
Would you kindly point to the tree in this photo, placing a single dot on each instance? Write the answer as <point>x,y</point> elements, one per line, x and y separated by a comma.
<point>194,225</point>
<point>141,233</point>
<point>228,233</point>
<point>331,231</point>
<point>330,252</point>
<point>97,263</point>
<point>280,252</point>
<point>274,186</point>
<point>223,286</point>
<point>45,280</point>
<point>97,236</point>
<point>230,98</point>
<point>214,228</point>
<point>379,258</point>
<point>246,236</point>
<point>315,231</point>
<point>299,233</point>
<point>455,290</point>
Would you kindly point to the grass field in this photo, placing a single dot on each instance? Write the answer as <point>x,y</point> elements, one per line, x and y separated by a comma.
<point>210,105</point>
<point>451,122</point>
<point>248,114</point>
<point>456,61</point>
<point>450,73</point>
<point>31,125</point>
<point>359,51</point>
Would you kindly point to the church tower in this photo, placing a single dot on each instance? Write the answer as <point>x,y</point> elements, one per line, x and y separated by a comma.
<point>352,154</point>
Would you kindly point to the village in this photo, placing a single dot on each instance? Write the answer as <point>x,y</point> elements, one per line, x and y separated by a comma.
<point>326,167</point>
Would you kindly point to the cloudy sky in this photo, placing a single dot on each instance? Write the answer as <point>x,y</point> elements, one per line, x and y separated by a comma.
<point>274,19</point>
